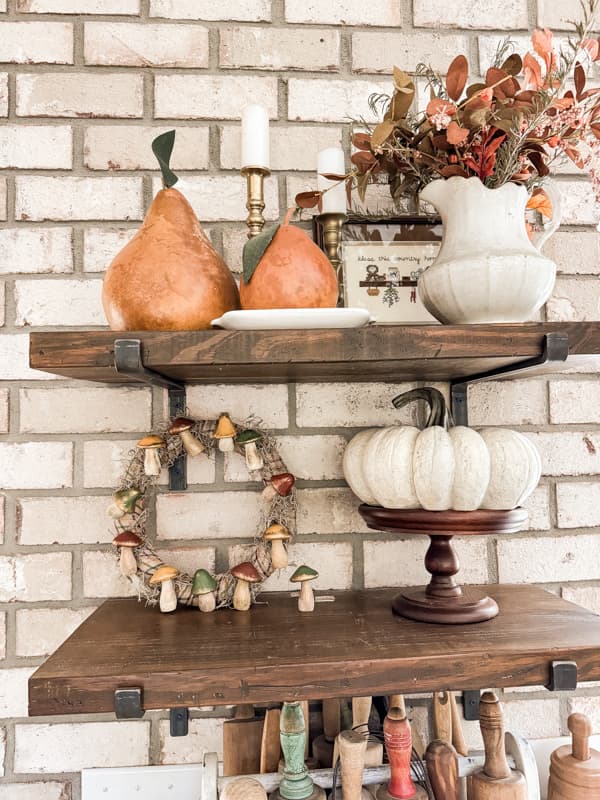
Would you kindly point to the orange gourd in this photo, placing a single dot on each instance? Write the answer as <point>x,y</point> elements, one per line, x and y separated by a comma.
<point>292,273</point>
<point>169,276</point>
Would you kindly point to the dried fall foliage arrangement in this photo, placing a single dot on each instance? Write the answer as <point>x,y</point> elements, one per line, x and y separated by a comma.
<point>527,113</point>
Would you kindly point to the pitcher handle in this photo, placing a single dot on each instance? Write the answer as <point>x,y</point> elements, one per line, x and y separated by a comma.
<point>549,227</point>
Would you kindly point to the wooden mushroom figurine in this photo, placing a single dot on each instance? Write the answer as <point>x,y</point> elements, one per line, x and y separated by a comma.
<point>151,445</point>
<point>126,541</point>
<point>281,485</point>
<point>304,575</point>
<point>225,434</point>
<point>245,574</point>
<point>204,589</point>
<point>124,502</point>
<point>247,440</point>
<point>164,576</point>
<point>182,427</point>
<point>277,534</point>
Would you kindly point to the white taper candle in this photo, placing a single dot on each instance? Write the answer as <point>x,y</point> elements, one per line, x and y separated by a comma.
<point>331,161</point>
<point>255,137</point>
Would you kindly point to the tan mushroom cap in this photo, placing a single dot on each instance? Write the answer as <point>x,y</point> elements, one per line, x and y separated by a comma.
<point>181,424</point>
<point>246,572</point>
<point>151,442</point>
<point>275,532</point>
<point>164,573</point>
<point>127,539</point>
<point>225,428</point>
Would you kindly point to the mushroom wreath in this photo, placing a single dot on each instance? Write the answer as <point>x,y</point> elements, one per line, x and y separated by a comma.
<point>155,580</point>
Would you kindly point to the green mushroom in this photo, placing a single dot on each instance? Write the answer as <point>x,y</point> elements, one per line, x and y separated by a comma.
<point>204,589</point>
<point>248,439</point>
<point>124,502</point>
<point>304,575</point>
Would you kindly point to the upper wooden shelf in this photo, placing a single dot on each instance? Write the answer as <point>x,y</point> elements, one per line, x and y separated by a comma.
<point>352,647</point>
<point>378,352</point>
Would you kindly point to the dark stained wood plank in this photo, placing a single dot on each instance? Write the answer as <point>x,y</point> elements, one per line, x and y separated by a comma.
<point>352,647</point>
<point>385,352</point>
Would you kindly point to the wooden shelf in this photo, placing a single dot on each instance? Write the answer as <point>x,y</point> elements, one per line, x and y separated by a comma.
<point>351,647</point>
<point>386,352</point>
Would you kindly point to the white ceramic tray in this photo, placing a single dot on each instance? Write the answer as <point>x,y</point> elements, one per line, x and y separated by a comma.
<point>293,318</point>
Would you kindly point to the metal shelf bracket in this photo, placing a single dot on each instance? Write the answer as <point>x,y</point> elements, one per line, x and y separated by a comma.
<point>563,676</point>
<point>555,349</point>
<point>129,362</point>
<point>128,703</point>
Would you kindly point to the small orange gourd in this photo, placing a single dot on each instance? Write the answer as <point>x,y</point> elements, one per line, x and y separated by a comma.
<point>292,273</point>
<point>169,276</point>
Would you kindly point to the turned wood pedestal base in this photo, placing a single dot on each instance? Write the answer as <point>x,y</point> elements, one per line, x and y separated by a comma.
<point>443,600</point>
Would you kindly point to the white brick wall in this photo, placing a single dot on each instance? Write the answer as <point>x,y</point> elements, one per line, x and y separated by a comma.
<point>86,86</point>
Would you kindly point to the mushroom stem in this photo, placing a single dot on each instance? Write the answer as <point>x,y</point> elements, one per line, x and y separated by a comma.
<point>152,464</point>
<point>254,460</point>
<point>268,493</point>
<point>226,444</point>
<point>191,445</point>
<point>207,602</point>
<point>168,598</point>
<point>241,595</point>
<point>127,562</point>
<point>306,601</point>
<point>279,556</point>
<point>114,512</point>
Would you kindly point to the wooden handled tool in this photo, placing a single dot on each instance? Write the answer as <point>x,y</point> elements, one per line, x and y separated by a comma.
<point>575,769</point>
<point>322,746</point>
<point>495,781</point>
<point>458,739</point>
<point>353,747</point>
<point>296,782</point>
<point>244,789</point>
<point>442,717</point>
<point>398,746</point>
<point>361,711</point>
<point>270,750</point>
<point>442,769</point>
<point>242,742</point>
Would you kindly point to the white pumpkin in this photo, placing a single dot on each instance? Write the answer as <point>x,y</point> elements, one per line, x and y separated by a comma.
<point>440,467</point>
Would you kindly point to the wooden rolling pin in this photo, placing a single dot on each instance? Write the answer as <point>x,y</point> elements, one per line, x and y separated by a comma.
<point>322,746</point>
<point>575,770</point>
<point>442,769</point>
<point>361,711</point>
<point>495,781</point>
<point>398,746</point>
<point>442,717</point>
<point>270,750</point>
<point>352,747</point>
<point>242,742</point>
<point>244,789</point>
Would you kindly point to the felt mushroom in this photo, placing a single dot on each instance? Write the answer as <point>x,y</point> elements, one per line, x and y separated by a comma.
<point>245,574</point>
<point>182,426</point>
<point>126,541</point>
<point>164,576</point>
<point>225,434</point>
<point>304,575</point>
<point>151,445</point>
<point>281,484</point>
<point>124,502</point>
<point>204,589</point>
<point>248,439</point>
<point>277,534</point>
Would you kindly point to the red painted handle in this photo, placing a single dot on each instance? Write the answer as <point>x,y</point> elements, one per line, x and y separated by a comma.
<point>398,745</point>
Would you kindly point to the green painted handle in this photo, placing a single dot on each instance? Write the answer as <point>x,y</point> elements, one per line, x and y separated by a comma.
<point>296,783</point>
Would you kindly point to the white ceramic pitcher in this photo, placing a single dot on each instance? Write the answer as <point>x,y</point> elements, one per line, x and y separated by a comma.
<point>487,269</point>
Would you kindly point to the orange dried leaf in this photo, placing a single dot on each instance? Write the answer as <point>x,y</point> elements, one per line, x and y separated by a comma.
<point>539,201</point>
<point>592,47</point>
<point>364,160</point>
<point>456,79</point>
<point>308,199</point>
<point>362,141</point>
<point>542,42</point>
<point>532,72</point>
<point>455,134</point>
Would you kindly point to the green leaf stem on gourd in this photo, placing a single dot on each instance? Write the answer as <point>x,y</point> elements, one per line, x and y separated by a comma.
<point>439,415</point>
<point>254,249</point>
<point>162,147</point>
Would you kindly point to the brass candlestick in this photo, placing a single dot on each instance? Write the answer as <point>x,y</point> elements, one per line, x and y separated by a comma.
<point>332,235</point>
<point>255,177</point>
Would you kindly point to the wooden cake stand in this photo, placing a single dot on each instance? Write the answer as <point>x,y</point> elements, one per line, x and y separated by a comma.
<point>444,600</point>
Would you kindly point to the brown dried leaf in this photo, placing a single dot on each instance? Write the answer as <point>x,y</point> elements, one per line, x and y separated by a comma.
<point>364,160</point>
<point>451,170</point>
<point>401,79</point>
<point>308,199</point>
<point>579,77</point>
<point>381,134</point>
<point>455,134</point>
<point>331,176</point>
<point>456,79</point>
<point>362,185</point>
<point>473,88</point>
<point>362,141</point>
<point>401,103</point>
<point>513,64</point>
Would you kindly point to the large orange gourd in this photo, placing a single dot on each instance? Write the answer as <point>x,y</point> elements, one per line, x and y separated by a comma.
<point>169,276</point>
<point>292,273</point>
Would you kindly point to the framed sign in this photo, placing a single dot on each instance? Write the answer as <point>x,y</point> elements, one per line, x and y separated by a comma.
<point>382,260</point>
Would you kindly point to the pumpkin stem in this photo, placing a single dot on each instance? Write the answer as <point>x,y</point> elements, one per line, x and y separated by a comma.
<point>162,147</point>
<point>439,415</point>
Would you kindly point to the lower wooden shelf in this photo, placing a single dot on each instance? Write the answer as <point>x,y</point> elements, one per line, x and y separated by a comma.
<point>351,647</point>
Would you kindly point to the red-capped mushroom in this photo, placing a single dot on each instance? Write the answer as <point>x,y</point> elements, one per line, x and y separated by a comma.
<point>281,484</point>
<point>245,574</point>
<point>182,427</point>
<point>126,541</point>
